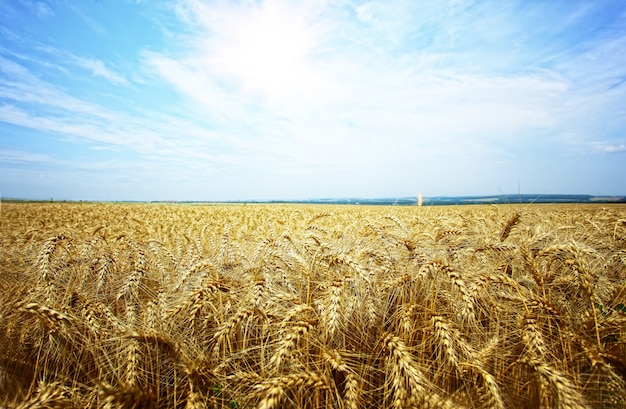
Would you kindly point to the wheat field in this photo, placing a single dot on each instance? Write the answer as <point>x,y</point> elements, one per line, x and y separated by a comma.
<point>296,306</point>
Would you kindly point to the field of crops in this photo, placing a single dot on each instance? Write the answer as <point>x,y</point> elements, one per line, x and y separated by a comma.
<point>171,306</point>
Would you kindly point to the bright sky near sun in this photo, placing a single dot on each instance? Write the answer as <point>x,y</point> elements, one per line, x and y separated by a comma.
<point>277,99</point>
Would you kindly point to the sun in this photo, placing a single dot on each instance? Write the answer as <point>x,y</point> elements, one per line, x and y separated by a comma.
<point>267,49</point>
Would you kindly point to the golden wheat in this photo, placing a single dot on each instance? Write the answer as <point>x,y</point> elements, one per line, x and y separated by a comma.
<point>161,306</point>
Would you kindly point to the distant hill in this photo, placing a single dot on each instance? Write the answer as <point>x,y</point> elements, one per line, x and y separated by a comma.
<point>459,200</point>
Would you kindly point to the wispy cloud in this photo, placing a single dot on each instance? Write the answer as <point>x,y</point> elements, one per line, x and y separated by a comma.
<point>23,157</point>
<point>359,95</point>
<point>94,66</point>
<point>39,8</point>
<point>610,147</point>
<point>99,69</point>
<point>75,119</point>
<point>20,84</point>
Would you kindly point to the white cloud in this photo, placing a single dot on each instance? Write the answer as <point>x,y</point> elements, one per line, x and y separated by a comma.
<point>96,67</point>
<point>77,128</point>
<point>17,156</point>
<point>608,147</point>
<point>365,12</point>
<point>192,79</point>
<point>20,84</point>
<point>347,101</point>
<point>99,69</point>
<point>39,8</point>
<point>43,10</point>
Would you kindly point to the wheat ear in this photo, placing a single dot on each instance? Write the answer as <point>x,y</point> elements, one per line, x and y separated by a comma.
<point>508,226</point>
<point>565,393</point>
<point>289,343</point>
<point>352,385</point>
<point>273,390</point>
<point>48,396</point>
<point>409,385</point>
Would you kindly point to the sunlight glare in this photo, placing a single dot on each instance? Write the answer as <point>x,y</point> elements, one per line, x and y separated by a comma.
<point>267,50</point>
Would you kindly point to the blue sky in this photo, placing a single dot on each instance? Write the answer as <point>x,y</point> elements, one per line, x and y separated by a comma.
<point>255,100</point>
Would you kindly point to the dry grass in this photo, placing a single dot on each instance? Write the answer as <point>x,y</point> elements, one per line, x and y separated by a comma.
<point>164,306</point>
